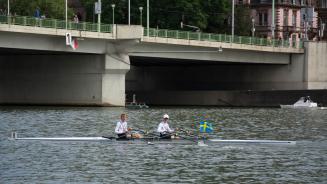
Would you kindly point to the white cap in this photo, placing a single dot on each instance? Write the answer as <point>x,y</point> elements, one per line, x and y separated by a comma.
<point>166,116</point>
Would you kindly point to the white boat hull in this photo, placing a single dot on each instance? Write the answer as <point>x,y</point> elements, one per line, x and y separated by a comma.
<point>220,141</point>
<point>237,141</point>
<point>63,138</point>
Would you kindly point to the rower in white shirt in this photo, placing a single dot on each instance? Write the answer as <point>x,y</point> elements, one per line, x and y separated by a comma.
<point>163,128</point>
<point>121,128</point>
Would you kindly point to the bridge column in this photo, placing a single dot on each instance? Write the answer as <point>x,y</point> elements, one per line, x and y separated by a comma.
<point>113,79</point>
<point>316,65</point>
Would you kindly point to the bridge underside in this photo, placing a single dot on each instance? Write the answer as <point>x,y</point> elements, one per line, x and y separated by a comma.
<point>160,81</point>
<point>63,78</point>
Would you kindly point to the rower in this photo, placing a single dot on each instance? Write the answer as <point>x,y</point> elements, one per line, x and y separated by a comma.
<point>163,128</point>
<point>121,128</point>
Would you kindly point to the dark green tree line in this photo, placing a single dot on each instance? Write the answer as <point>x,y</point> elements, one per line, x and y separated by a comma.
<point>209,15</point>
<point>49,8</point>
<point>212,16</point>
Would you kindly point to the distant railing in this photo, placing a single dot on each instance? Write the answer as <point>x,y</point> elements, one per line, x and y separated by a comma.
<point>162,33</point>
<point>54,23</point>
<point>186,35</point>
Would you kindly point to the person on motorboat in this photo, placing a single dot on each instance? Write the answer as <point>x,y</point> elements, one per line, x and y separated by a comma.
<point>164,129</point>
<point>121,128</point>
<point>308,99</point>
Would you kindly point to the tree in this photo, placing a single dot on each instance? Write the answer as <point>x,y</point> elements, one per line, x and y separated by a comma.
<point>218,13</point>
<point>208,15</point>
<point>49,8</point>
<point>243,23</point>
<point>212,16</point>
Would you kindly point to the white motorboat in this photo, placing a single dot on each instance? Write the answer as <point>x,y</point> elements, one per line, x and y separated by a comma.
<point>303,102</point>
<point>136,105</point>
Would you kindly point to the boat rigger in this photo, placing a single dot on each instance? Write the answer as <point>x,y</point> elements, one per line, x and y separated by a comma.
<point>155,139</point>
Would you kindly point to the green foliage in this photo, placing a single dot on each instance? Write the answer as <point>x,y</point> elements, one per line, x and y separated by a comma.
<point>208,15</point>
<point>243,23</point>
<point>49,8</point>
<point>212,16</point>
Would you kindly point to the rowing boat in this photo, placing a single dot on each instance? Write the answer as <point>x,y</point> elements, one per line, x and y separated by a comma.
<point>155,139</point>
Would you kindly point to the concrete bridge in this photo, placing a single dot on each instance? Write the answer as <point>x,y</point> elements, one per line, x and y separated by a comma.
<point>36,67</point>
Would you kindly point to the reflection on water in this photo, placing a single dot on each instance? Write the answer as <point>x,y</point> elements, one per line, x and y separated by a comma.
<point>105,162</point>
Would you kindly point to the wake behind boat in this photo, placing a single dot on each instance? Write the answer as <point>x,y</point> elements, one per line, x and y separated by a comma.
<point>148,140</point>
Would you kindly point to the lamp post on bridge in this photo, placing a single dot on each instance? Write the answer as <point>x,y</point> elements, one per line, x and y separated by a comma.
<point>113,13</point>
<point>233,12</point>
<point>129,12</point>
<point>8,7</point>
<point>141,10</point>
<point>253,28</point>
<point>273,19</point>
<point>148,18</point>
<point>65,13</point>
<point>97,7</point>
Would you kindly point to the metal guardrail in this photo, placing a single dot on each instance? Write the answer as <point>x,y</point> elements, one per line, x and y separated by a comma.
<point>162,33</point>
<point>54,23</point>
<point>186,35</point>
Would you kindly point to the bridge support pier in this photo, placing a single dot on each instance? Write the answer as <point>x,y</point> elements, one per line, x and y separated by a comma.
<point>113,79</point>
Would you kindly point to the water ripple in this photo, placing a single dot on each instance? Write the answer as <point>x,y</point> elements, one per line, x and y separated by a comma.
<point>105,162</point>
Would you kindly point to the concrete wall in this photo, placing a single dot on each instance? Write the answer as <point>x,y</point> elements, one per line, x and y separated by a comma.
<point>316,64</point>
<point>51,79</point>
<point>113,83</point>
<point>169,51</point>
<point>60,79</point>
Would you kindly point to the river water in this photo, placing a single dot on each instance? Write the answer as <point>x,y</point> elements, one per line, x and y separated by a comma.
<point>106,162</point>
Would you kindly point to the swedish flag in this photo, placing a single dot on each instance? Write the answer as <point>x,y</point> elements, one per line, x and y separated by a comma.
<point>206,127</point>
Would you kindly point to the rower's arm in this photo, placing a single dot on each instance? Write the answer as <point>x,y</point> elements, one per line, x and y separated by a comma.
<point>117,128</point>
<point>170,129</point>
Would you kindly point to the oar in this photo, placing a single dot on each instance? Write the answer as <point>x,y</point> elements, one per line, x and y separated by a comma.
<point>142,131</point>
<point>187,132</point>
<point>152,135</point>
<point>109,137</point>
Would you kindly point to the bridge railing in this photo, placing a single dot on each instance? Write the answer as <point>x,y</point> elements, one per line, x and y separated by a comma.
<point>162,33</point>
<point>54,23</point>
<point>187,35</point>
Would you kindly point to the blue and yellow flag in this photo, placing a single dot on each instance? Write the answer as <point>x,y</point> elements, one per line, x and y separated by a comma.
<point>206,127</point>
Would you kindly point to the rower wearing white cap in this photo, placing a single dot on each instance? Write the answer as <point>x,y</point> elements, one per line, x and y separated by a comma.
<point>163,128</point>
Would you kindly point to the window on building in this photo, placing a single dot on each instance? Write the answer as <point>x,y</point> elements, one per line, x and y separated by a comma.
<point>323,3</point>
<point>286,17</point>
<point>294,18</point>
<point>263,19</point>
